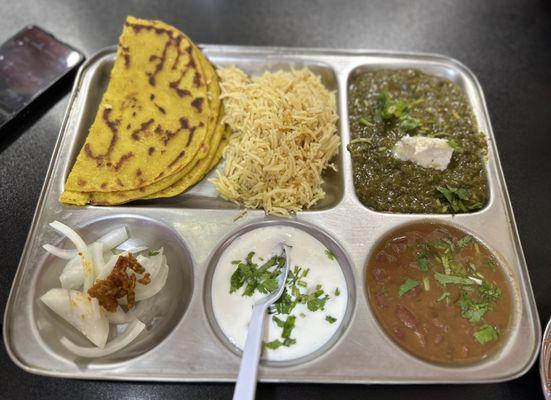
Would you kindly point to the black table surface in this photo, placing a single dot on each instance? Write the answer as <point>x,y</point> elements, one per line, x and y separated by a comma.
<point>506,43</point>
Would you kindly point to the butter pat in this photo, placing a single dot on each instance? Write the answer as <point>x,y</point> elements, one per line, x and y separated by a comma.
<point>424,151</point>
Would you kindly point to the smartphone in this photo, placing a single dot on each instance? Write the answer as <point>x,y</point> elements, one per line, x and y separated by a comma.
<point>31,61</point>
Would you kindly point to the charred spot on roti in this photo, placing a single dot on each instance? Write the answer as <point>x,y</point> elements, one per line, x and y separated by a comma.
<point>190,137</point>
<point>81,182</point>
<point>104,185</point>
<point>180,92</point>
<point>151,150</point>
<point>143,127</point>
<point>120,182</point>
<point>138,172</point>
<point>182,153</point>
<point>161,109</point>
<point>122,160</point>
<point>197,103</point>
<point>184,123</point>
<point>197,79</point>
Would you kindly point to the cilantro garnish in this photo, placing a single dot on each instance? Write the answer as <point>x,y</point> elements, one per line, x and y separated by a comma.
<point>423,262</point>
<point>365,122</point>
<point>486,334</point>
<point>445,279</point>
<point>152,253</point>
<point>407,286</point>
<point>330,319</point>
<point>274,344</point>
<point>458,199</point>
<point>262,278</point>
<point>464,241</point>
<point>455,146</point>
<point>398,109</point>
<point>253,277</point>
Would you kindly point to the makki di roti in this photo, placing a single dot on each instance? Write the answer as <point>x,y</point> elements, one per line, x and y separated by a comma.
<point>158,125</point>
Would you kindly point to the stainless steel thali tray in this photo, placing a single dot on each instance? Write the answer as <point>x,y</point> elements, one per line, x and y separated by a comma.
<point>182,344</point>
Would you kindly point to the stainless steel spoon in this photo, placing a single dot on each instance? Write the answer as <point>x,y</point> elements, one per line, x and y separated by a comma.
<point>245,388</point>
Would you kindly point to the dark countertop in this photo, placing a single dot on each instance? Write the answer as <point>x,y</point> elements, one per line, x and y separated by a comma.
<point>506,44</point>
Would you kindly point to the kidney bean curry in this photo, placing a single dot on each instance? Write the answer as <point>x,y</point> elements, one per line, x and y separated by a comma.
<point>439,293</point>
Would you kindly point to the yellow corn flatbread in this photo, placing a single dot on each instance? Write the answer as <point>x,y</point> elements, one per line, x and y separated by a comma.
<point>201,169</point>
<point>153,116</point>
<point>171,179</point>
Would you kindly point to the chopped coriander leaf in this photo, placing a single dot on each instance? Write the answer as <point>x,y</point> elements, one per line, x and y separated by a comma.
<point>464,241</point>
<point>455,146</point>
<point>274,344</point>
<point>152,253</point>
<point>337,292</point>
<point>390,108</point>
<point>288,326</point>
<point>316,301</point>
<point>446,263</point>
<point>289,342</point>
<point>268,285</point>
<point>423,262</point>
<point>459,199</point>
<point>437,244</point>
<point>409,123</point>
<point>262,279</point>
<point>491,263</point>
<point>487,333</point>
<point>444,279</point>
<point>489,292</point>
<point>285,304</point>
<point>330,319</point>
<point>329,254</point>
<point>470,309</point>
<point>407,286</point>
<point>365,122</point>
<point>278,322</point>
<point>302,315</point>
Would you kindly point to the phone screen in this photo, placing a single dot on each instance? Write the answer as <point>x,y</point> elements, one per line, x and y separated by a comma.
<point>30,62</point>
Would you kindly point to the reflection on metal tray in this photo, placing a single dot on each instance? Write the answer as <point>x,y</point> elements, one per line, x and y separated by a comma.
<point>183,345</point>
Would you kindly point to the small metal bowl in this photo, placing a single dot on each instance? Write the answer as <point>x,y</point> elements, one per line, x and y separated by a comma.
<point>165,310</point>
<point>318,234</point>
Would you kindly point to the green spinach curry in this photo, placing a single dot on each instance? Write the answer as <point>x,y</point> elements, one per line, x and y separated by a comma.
<point>386,105</point>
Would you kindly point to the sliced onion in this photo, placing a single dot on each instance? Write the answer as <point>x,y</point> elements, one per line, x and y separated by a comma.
<point>66,254</point>
<point>119,316</point>
<point>136,250</point>
<point>72,276</point>
<point>132,331</point>
<point>78,310</point>
<point>146,291</point>
<point>96,252</point>
<point>71,235</point>
<point>152,265</point>
<point>82,249</point>
<point>113,238</point>
<point>108,267</point>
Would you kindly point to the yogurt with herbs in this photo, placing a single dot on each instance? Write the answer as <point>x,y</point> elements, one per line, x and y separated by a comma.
<point>310,310</point>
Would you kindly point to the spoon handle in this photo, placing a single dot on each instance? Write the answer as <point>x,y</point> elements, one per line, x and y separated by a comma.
<point>245,387</point>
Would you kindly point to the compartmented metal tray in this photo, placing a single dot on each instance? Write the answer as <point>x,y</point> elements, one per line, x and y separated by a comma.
<point>182,344</point>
